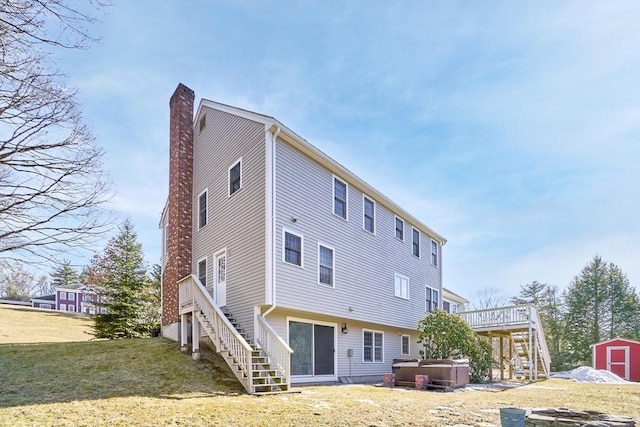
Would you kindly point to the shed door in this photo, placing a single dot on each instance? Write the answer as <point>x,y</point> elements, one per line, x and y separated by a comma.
<point>618,361</point>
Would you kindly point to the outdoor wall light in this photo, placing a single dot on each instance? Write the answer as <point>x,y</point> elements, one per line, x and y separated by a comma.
<point>345,330</point>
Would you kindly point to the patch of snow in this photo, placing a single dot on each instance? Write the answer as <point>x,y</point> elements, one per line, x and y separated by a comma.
<point>586,374</point>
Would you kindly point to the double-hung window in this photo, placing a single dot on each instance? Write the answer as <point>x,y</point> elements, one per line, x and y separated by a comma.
<point>416,242</point>
<point>292,248</point>
<point>431,302</point>
<point>72,296</point>
<point>369,219</point>
<point>402,286</point>
<point>325,265</point>
<point>202,209</point>
<point>404,345</point>
<point>399,229</point>
<point>202,271</point>
<point>235,177</point>
<point>340,198</point>
<point>372,349</point>
<point>63,295</point>
<point>434,253</point>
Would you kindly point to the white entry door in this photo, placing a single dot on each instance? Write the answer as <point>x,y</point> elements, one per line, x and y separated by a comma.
<point>221,278</point>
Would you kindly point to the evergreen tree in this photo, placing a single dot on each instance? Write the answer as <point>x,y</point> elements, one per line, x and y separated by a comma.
<point>548,301</point>
<point>600,305</point>
<point>125,287</point>
<point>64,275</point>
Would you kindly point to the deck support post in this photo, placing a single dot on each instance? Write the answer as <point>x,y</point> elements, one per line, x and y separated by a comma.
<point>501,358</point>
<point>195,337</point>
<point>183,332</point>
<point>510,357</point>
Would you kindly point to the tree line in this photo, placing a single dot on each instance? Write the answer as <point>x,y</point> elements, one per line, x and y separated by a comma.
<point>599,304</point>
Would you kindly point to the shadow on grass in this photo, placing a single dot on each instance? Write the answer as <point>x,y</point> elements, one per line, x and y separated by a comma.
<point>65,372</point>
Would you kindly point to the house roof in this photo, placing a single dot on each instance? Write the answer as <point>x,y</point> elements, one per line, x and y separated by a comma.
<point>45,298</point>
<point>453,295</point>
<point>615,339</point>
<point>311,151</point>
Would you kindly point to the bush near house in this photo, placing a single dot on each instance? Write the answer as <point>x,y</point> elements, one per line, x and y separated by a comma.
<point>447,336</point>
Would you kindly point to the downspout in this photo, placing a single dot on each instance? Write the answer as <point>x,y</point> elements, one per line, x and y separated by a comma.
<point>272,279</point>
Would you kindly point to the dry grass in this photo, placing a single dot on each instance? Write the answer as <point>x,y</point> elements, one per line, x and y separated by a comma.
<point>35,325</point>
<point>150,383</point>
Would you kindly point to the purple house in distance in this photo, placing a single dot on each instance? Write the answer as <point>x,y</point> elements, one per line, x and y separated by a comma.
<point>76,298</point>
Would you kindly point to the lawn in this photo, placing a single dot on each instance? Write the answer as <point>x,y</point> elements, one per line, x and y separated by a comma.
<point>150,382</point>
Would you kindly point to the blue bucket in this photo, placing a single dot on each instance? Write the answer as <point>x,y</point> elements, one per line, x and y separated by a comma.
<point>512,417</point>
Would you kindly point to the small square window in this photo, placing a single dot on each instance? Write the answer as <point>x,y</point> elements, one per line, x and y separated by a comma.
<point>369,209</point>
<point>405,350</point>
<point>292,249</point>
<point>235,177</point>
<point>339,198</point>
<point>399,229</point>
<point>63,295</point>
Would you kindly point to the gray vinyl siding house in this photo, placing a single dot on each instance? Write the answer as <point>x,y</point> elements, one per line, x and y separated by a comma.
<point>346,294</point>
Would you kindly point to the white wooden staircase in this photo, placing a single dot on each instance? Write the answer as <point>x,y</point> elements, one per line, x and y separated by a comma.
<point>521,325</point>
<point>262,367</point>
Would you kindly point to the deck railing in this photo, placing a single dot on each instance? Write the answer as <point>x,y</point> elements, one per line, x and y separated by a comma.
<point>225,336</point>
<point>275,347</point>
<point>500,317</point>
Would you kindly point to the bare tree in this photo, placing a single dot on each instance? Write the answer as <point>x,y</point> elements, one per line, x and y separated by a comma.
<point>52,183</point>
<point>16,282</point>
<point>489,298</point>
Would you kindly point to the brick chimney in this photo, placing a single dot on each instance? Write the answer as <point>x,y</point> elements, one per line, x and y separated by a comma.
<point>179,204</point>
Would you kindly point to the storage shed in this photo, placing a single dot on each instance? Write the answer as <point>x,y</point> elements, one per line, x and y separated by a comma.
<point>620,356</point>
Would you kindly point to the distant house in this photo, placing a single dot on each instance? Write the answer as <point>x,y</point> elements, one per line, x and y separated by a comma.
<point>620,356</point>
<point>46,301</point>
<point>77,298</point>
<point>452,302</point>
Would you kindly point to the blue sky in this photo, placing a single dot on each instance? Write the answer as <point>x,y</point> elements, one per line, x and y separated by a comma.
<point>511,128</point>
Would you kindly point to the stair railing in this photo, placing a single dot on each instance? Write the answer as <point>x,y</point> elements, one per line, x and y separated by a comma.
<point>226,337</point>
<point>275,347</point>
<point>542,342</point>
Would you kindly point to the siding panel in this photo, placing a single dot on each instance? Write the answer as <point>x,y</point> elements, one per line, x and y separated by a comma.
<point>365,264</point>
<point>236,222</point>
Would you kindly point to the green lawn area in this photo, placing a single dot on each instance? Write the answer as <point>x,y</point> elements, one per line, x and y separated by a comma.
<point>149,382</point>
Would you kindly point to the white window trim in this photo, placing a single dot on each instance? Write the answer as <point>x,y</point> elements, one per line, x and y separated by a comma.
<point>63,295</point>
<point>425,299</point>
<point>404,228</point>
<point>437,253</point>
<point>229,177</point>
<point>333,269</point>
<point>402,276</point>
<point>408,345</point>
<point>333,198</point>
<point>206,270</point>
<point>419,245</point>
<point>364,199</point>
<point>206,211</point>
<point>284,231</point>
<point>63,307</point>
<point>312,378</point>
<point>71,296</point>
<point>373,352</point>
<point>71,308</point>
